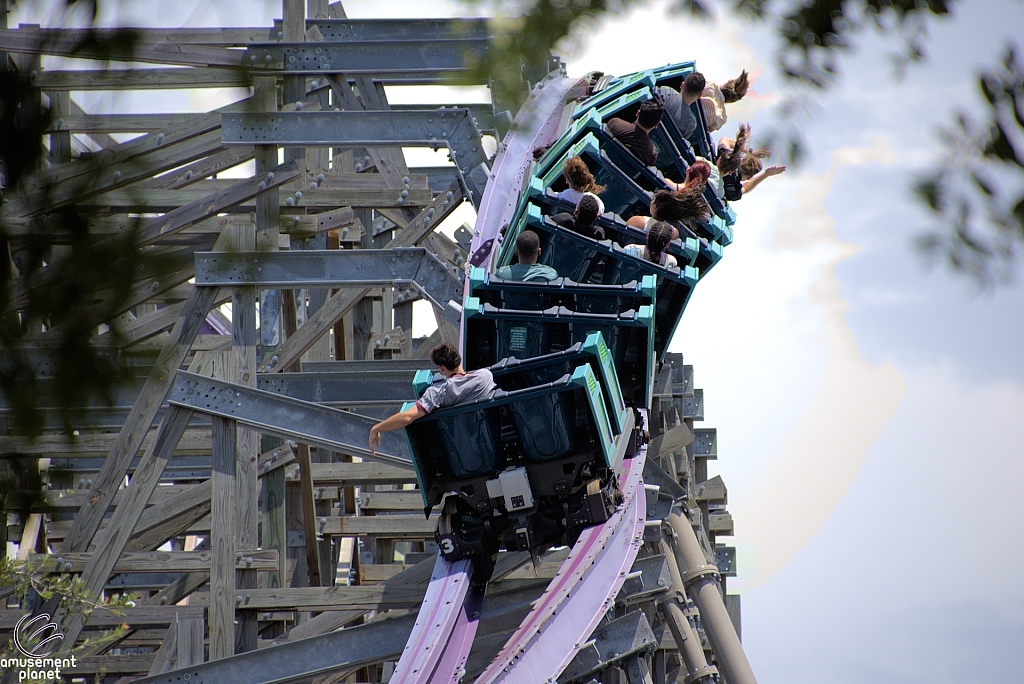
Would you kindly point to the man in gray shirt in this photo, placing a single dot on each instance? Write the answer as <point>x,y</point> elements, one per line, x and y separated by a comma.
<point>527,251</point>
<point>677,103</point>
<point>458,387</point>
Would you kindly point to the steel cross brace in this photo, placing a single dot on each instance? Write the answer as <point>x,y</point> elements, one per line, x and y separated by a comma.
<point>368,30</point>
<point>619,640</point>
<point>434,128</point>
<point>290,418</point>
<point>332,268</point>
<point>366,58</point>
<point>301,661</point>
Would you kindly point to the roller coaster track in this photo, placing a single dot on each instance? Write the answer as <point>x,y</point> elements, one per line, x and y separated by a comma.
<point>555,641</point>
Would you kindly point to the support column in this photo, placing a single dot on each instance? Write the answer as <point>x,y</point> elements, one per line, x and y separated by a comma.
<point>243,343</point>
<point>701,581</point>
<point>222,543</point>
<point>687,642</point>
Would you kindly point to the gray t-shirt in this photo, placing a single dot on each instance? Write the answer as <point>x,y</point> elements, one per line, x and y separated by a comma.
<point>680,112</point>
<point>458,389</point>
<point>526,272</point>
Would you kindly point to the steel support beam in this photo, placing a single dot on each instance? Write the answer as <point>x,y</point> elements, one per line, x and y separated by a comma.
<point>334,268</point>
<point>366,58</point>
<point>369,30</point>
<point>290,418</point>
<point>619,640</point>
<point>300,661</point>
<point>434,128</point>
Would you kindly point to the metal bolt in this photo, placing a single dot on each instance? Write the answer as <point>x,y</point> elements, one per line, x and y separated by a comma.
<point>290,201</point>
<point>313,186</point>
<point>269,58</point>
<point>401,201</point>
<point>189,173</point>
<point>270,176</point>
<point>298,106</point>
<point>320,178</point>
<point>298,194</point>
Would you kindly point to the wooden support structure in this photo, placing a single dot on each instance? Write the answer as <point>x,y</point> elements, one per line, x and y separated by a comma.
<point>254,541</point>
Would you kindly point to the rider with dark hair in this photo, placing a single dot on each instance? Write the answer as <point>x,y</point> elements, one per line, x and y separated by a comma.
<point>458,387</point>
<point>635,136</point>
<point>582,220</point>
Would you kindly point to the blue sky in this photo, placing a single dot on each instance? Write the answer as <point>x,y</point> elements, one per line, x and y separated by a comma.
<point>869,408</point>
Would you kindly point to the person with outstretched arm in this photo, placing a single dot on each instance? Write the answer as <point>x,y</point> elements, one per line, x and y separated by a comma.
<point>458,387</point>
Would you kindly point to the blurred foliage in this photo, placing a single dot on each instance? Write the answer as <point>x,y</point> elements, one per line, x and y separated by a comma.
<point>978,192</point>
<point>977,197</point>
<point>58,275</point>
<point>38,579</point>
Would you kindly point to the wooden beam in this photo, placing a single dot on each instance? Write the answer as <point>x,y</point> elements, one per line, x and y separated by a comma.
<point>158,561</point>
<point>225,37</point>
<point>81,47</point>
<point>405,500</point>
<point>136,616</point>
<point>116,123</point>
<point>342,474</point>
<point>309,518</point>
<point>243,345</point>
<point>109,169</point>
<point>161,199</point>
<point>373,597</point>
<point>155,516</point>
<point>140,418</point>
<point>390,526</point>
<point>193,520</point>
<point>182,646</point>
<point>222,569</point>
<point>335,308</point>
<point>117,534</point>
<point>142,79</point>
<point>197,171</point>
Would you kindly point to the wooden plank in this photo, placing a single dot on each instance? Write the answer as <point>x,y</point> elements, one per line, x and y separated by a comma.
<point>114,168</point>
<point>671,441</point>
<point>161,199</point>
<point>116,123</point>
<point>159,561</point>
<point>713,490</point>
<point>405,500</point>
<point>195,442</point>
<point>139,419</point>
<point>243,345</point>
<point>309,518</point>
<point>74,499</point>
<point>137,616</point>
<point>389,526</point>
<point>376,573</point>
<point>222,569</point>
<point>372,597</point>
<point>342,474</point>
<point>113,540</point>
<point>198,170</point>
<point>141,79</point>
<point>224,37</point>
<point>30,535</point>
<point>337,305</point>
<point>390,162</point>
<point>81,47</point>
<point>188,500</point>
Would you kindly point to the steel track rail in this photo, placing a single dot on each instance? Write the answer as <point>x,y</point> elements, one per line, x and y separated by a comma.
<point>579,595</point>
<point>537,124</point>
<point>445,626</point>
